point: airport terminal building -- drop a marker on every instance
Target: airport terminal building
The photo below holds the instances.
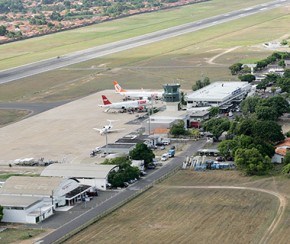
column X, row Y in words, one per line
column 219, row 94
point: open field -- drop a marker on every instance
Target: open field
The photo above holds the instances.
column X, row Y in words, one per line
column 207, row 207
column 8, row 116
column 19, row 235
column 19, row 53
column 184, row 59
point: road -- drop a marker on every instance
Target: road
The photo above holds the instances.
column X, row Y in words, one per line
column 121, row 196
column 103, row 50
column 35, row 108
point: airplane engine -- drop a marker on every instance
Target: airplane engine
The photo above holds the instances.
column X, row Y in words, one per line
column 141, row 107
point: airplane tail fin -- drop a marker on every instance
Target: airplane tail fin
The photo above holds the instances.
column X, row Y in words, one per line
column 118, row 88
column 105, row 100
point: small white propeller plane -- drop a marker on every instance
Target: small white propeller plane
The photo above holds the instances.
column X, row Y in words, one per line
column 107, row 128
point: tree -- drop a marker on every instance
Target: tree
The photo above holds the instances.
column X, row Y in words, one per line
column 213, row 111
column 278, row 104
column 3, row 30
column 286, row 158
column 268, row 131
column 227, row 147
column 125, row 173
column 247, row 77
column 266, row 113
column 248, row 106
column 251, row 162
column 216, row 126
column 178, row 129
column 235, row 68
column 142, row 152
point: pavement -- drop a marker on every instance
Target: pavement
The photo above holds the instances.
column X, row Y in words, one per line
column 64, row 133
column 86, row 212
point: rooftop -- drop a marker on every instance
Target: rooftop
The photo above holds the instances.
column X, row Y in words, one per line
column 78, row 170
column 218, row 91
column 31, row 185
column 17, row 201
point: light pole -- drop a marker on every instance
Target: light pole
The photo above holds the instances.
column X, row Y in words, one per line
column 106, row 134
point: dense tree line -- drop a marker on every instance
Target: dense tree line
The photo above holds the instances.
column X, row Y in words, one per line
column 7, row 6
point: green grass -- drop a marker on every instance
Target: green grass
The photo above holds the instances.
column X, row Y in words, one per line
column 5, row 176
column 13, row 235
column 8, row 116
column 35, row 49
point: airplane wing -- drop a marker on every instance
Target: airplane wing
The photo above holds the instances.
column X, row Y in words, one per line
column 97, row 129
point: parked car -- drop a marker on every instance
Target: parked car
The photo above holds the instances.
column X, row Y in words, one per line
column 219, row 159
column 164, row 157
column 151, row 166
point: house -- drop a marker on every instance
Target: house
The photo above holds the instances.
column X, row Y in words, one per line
column 281, row 150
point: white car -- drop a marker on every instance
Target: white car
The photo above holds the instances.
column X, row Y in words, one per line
column 164, row 157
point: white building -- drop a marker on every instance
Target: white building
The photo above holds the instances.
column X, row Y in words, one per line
column 218, row 94
column 32, row 199
column 21, row 209
column 95, row 175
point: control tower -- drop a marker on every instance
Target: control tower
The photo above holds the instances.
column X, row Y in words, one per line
column 171, row 96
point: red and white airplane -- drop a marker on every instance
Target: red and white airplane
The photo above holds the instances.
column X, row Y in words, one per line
column 137, row 94
column 126, row 105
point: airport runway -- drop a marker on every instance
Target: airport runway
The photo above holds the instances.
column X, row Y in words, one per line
column 103, row 50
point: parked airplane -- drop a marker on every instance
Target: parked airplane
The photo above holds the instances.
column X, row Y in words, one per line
column 126, row 105
column 138, row 94
column 107, row 128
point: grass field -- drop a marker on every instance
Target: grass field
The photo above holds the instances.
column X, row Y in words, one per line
column 16, row 235
column 177, row 211
column 184, row 59
column 31, row 50
column 8, row 116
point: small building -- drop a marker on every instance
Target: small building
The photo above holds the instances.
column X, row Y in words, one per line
column 196, row 117
column 94, row 175
column 165, row 119
column 112, row 148
column 25, row 209
column 54, row 190
column 33, row 199
column 281, row 150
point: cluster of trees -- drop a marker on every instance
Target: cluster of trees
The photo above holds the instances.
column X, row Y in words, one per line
column 244, row 72
column 265, row 108
column 278, row 57
column 178, row 130
column 10, row 34
column 7, row 6
column 125, row 173
column 201, row 83
column 276, row 80
column 251, row 138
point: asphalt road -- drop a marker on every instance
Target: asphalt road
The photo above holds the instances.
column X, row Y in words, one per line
column 121, row 196
column 35, row 108
column 103, row 50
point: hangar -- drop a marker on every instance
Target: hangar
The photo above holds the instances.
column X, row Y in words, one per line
column 219, row 94
column 32, row 199
column 94, row 175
